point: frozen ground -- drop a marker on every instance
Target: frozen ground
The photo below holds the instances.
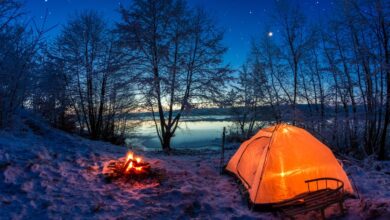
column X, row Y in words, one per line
column 46, row 173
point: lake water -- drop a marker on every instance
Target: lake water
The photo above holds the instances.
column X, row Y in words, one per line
column 193, row 132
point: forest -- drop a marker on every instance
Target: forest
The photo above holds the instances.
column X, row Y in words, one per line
column 331, row 78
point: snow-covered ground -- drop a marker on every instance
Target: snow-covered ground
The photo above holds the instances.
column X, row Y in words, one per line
column 46, row 173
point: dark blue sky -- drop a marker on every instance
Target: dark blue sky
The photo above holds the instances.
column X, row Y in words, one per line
column 242, row 19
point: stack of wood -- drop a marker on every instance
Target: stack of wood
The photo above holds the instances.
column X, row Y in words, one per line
column 130, row 168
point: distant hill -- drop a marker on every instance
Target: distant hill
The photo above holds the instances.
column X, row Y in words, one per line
column 265, row 112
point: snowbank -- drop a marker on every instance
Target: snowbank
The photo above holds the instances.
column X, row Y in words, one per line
column 46, row 173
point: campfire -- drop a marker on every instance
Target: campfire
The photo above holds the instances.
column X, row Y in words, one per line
column 130, row 167
column 134, row 165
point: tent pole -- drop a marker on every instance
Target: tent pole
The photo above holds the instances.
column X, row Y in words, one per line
column 222, row 151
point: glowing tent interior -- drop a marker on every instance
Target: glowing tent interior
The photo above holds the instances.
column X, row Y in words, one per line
column 275, row 163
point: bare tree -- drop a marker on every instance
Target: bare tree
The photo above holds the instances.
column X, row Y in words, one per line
column 179, row 52
column 10, row 10
column 247, row 97
column 94, row 70
column 49, row 94
column 295, row 37
column 19, row 44
column 267, row 53
column 377, row 16
column 343, row 66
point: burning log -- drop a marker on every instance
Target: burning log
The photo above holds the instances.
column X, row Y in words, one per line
column 130, row 168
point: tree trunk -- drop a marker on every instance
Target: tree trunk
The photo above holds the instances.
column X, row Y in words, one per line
column 350, row 89
column 166, row 142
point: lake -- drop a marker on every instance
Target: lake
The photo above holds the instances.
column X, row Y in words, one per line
column 194, row 132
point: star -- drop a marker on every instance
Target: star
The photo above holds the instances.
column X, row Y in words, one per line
column 270, row 34
column 250, row 12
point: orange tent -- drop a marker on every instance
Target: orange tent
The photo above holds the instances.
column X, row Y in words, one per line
column 275, row 163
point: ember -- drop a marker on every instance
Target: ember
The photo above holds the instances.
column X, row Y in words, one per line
column 130, row 167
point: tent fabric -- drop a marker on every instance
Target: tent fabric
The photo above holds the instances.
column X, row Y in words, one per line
column 275, row 163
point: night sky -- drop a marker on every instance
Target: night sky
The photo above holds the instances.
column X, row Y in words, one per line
column 241, row 19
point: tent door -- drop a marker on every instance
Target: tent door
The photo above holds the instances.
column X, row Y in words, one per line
column 251, row 158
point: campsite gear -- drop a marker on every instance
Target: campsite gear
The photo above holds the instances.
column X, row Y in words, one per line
column 314, row 199
column 274, row 164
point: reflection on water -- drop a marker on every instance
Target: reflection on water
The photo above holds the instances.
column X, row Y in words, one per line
column 194, row 132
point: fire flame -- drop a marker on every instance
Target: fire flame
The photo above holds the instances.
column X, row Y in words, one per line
column 133, row 162
column 129, row 167
column 130, row 156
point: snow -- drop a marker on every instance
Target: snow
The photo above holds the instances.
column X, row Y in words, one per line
column 46, row 173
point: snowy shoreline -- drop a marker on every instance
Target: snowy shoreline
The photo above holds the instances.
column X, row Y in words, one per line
column 49, row 174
